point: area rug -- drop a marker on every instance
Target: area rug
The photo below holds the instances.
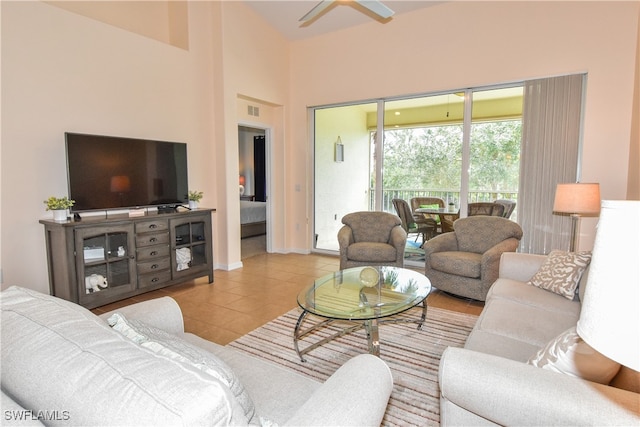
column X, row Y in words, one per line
column 413, row 356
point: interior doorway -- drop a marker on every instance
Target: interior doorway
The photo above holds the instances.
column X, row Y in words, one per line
column 253, row 155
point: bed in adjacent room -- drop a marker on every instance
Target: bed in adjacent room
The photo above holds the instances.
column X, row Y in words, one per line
column 253, row 218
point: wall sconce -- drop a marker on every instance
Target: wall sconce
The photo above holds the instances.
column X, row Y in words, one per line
column 339, row 153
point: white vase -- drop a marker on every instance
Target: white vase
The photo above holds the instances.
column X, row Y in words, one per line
column 59, row 214
column 193, row 204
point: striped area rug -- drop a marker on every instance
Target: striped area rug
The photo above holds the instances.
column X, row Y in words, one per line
column 413, row 356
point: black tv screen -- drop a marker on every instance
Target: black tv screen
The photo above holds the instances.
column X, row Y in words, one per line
column 106, row 172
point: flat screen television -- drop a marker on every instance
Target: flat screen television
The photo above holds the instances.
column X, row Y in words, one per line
column 107, row 172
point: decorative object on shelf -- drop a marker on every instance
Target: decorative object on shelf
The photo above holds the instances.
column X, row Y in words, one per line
column 577, row 199
column 59, row 206
column 339, row 154
column 242, row 181
column 194, row 197
column 609, row 315
column 95, row 283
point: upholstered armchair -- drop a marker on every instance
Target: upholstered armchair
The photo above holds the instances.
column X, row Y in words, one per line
column 371, row 238
column 466, row 262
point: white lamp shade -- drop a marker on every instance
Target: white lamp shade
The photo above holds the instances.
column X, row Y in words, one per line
column 577, row 198
column 610, row 316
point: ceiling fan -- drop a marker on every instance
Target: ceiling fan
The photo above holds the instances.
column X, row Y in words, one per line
column 374, row 6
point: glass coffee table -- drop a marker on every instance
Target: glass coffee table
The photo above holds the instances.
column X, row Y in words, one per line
column 367, row 296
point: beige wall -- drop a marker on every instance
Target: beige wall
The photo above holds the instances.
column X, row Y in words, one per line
column 460, row 44
column 64, row 72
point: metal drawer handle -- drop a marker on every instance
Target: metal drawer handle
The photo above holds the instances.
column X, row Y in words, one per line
column 155, row 279
column 154, row 266
column 153, row 240
column 153, row 226
column 153, row 253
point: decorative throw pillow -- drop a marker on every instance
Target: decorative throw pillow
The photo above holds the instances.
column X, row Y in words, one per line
column 561, row 272
column 569, row 354
column 172, row 347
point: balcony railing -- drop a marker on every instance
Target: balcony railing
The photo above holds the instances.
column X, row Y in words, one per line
column 447, row 195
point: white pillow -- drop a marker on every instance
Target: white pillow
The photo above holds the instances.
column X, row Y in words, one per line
column 561, row 272
column 569, row 354
column 174, row 348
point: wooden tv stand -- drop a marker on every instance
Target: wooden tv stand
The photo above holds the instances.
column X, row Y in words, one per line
column 134, row 254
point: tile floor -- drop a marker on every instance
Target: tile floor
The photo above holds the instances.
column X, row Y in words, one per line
column 264, row 288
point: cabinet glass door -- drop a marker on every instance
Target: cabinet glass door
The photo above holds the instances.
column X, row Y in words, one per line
column 191, row 251
column 106, row 264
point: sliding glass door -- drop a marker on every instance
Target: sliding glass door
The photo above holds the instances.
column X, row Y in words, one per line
column 343, row 156
column 460, row 146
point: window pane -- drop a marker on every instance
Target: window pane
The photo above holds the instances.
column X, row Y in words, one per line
column 494, row 156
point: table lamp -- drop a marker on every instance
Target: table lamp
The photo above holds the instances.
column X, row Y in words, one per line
column 577, row 199
column 610, row 316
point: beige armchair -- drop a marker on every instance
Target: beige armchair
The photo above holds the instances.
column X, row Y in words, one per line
column 466, row 262
column 371, row 238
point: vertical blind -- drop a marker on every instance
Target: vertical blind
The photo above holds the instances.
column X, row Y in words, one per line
column 551, row 124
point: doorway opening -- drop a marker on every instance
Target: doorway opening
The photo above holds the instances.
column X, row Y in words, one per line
column 253, row 189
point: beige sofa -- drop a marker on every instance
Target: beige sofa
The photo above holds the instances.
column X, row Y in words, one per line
column 63, row 365
column 488, row 382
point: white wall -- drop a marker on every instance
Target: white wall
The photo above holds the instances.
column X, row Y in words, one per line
column 464, row 44
column 65, row 72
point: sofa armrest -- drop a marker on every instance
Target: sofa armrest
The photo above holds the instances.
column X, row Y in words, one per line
column 355, row 395
column 507, row 392
column 520, row 266
column 163, row 313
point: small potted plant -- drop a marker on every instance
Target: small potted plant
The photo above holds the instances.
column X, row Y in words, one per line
column 194, row 197
column 59, row 206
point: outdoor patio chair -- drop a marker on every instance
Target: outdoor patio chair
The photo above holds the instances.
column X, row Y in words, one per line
column 485, row 208
column 509, row 207
column 426, row 228
column 445, row 222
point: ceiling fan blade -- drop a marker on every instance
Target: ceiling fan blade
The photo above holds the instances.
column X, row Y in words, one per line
column 318, row 9
column 376, row 7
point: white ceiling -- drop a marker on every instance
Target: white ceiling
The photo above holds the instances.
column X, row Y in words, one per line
column 285, row 15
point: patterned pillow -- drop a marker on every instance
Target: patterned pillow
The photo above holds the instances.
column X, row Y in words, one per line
column 561, row 272
column 569, row 354
column 172, row 347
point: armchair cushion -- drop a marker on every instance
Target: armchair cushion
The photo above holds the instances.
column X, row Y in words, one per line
column 365, row 251
column 465, row 264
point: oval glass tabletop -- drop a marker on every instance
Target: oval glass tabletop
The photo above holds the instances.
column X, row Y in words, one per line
column 363, row 293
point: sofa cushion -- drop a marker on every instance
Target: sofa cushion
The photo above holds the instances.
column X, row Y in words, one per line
column 530, row 295
column 561, row 272
column 569, row 354
column 175, row 348
column 366, row 251
column 56, row 354
column 514, row 329
column 465, row 264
